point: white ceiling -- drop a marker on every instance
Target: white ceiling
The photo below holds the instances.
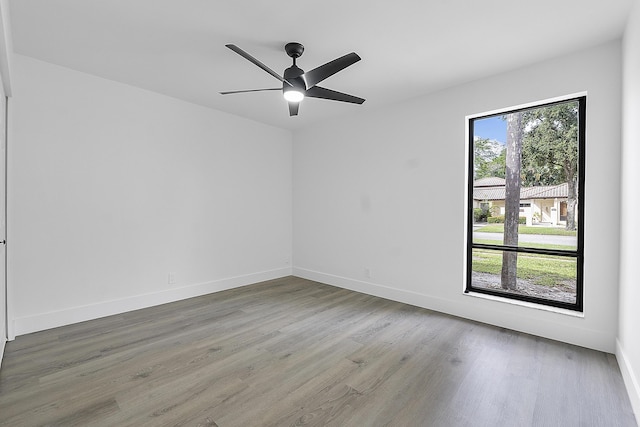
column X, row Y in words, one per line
column 408, row 47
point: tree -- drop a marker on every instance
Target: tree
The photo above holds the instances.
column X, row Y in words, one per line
column 512, row 199
column 550, row 151
column 489, row 158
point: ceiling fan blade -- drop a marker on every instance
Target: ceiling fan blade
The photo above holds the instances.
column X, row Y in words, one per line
column 248, row 90
column 293, row 108
column 250, row 58
column 324, row 93
column 320, row 73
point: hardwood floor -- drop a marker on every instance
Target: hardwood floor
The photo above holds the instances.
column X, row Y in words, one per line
column 294, row 352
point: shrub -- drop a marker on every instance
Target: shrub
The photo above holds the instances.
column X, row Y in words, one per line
column 500, row 220
column 496, row 219
column 481, row 215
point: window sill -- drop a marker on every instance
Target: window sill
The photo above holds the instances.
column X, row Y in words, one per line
column 532, row 305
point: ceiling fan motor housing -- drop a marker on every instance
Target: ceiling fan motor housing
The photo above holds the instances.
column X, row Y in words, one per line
column 293, row 75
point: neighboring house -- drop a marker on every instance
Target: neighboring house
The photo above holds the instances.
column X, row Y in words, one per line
column 541, row 204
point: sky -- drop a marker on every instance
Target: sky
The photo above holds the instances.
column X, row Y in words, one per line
column 491, row 128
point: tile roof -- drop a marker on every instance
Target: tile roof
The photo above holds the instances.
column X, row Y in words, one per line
column 545, row 191
column 540, row 192
column 491, row 181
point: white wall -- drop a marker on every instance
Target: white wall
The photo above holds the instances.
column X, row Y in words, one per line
column 3, row 305
column 382, row 195
column 628, row 350
column 112, row 187
column 5, row 90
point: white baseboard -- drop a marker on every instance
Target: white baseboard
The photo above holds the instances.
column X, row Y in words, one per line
column 374, row 289
column 631, row 380
column 54, row 319
column 528, row 321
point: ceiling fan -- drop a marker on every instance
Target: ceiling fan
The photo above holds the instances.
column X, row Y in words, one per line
column 296, row 84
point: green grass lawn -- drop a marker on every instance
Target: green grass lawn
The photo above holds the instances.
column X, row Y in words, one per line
column 524, row 229
column 546, row 270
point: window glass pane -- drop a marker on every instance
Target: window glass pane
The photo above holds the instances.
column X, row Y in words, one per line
column 525, row 167
column 548, row 277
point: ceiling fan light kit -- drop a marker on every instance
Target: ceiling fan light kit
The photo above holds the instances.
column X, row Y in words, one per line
column 296, row 84
column 293, row 95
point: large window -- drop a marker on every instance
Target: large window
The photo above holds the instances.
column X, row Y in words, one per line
column 526, row 203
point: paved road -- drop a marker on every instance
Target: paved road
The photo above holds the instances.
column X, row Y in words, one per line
column 530, row 238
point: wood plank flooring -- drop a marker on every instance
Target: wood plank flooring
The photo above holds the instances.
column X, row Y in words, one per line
column 291, row 352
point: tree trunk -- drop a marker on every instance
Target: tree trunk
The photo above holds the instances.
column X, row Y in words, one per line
column 572, row 201
column 512, row 199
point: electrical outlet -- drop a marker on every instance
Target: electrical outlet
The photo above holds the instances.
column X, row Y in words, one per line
column 367, row 273
column 171, row 278
column 287, row 260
